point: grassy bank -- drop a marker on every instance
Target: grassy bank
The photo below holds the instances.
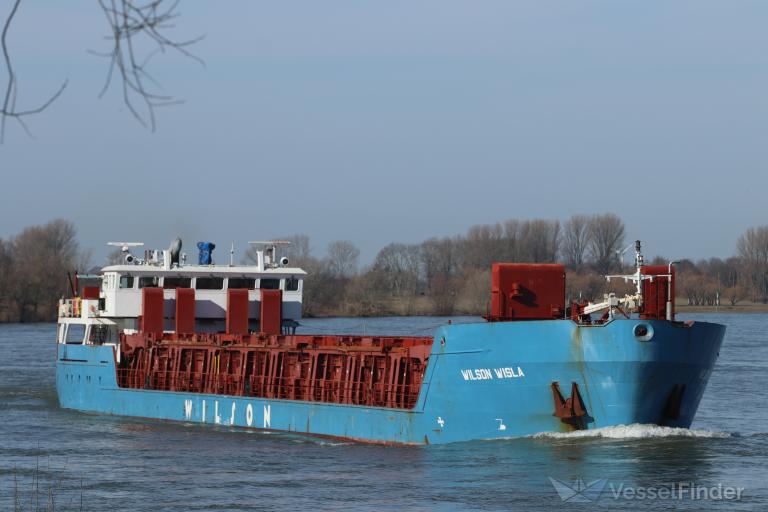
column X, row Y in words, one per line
column 738, row 308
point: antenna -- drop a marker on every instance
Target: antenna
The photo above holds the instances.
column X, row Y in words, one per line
column 638, row 255
column 232, row 255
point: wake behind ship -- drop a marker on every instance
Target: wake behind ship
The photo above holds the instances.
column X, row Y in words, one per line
column 216, row 344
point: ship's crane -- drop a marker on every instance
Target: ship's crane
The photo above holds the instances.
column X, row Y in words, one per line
column 635, row 301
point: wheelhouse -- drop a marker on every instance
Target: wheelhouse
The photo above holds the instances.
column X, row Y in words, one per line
column 117, row 301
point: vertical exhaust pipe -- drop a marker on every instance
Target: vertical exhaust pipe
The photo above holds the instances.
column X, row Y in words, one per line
column 670, row 298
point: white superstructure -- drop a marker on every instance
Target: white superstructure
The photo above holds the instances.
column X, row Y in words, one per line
column 120, row 297
column 121, row 287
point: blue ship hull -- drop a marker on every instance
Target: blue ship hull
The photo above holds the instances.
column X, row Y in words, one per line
column 482, row 381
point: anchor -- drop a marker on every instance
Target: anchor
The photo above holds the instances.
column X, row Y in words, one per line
column 671, row 411
column 571, row 411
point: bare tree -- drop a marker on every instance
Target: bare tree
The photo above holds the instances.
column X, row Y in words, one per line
column 585, row 285
column 575, row 240
column 752, row 247
column 697, row 287
column 138, row 31
column 606, row 238
column 9, row 109
column 483, row 245
column 439, row 260
column 735, row 294
column 512, row 249
column 539, row 240
column 298, row 249
column 41, row 257
column 475, row 291
column 725, row 275
column 530, row 240
column 396, row 268
column 135, row 26
column 322, row 292
column 363, row 297
column 342, row 258
column 5, row 275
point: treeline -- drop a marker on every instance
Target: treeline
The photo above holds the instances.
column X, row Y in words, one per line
column 743, row 277
column 440, row 276
column 33, row 270
column 444, row 276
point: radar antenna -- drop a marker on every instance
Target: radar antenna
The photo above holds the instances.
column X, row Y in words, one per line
column 125, row 246
column 265, row 254
column 270, row 242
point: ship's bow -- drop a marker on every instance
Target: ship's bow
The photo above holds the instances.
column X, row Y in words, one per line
column 504, row 379
column 659, row 374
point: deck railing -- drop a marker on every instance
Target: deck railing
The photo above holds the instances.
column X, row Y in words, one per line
column 376, row 394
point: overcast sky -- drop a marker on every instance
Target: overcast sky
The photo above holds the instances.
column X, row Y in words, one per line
column 400, row 120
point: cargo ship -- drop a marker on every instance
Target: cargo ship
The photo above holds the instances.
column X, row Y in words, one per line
column 216, row 344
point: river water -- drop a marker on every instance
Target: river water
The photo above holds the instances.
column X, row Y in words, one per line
column 91, row 462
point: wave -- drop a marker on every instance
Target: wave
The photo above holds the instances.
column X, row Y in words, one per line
column 634, row 431
column 320, row 442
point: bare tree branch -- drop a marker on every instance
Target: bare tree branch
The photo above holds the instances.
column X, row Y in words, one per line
column 134, row 25
column 11, row 90
column 138, row 32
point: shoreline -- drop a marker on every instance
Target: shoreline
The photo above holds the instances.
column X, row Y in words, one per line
column 738, row 308
column 679, row 309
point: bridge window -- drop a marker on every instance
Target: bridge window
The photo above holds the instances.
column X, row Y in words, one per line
column 269, row 284
column 241, row 283
column 75, row 334
column 126, row 281
column 209, row 283
column 99, row 334
column 177, row 282
column 148, row 282
column 291, row 284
